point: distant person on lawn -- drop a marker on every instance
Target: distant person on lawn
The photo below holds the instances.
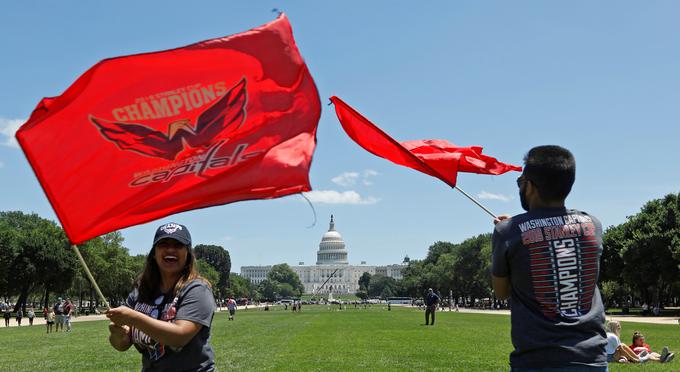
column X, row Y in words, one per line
column 68, row 312
column 546, row 262
column 8, row 315
column 30, row 314
column 431, row 301
column 231, row 306
column 639, row 345
column 619, row 352
column 50, row 320
column 59, row 313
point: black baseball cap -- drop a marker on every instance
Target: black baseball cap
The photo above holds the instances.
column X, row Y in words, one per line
column 173, row 231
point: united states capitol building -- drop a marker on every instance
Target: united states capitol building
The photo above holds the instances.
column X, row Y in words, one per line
column 332, row 272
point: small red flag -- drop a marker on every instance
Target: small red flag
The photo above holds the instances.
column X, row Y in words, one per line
column 438, row 158
column 139, row 137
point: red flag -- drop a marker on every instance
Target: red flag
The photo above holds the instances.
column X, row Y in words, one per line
column 139, row 137
column 438, row 158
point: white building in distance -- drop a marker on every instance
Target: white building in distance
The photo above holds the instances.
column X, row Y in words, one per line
column 332, row 272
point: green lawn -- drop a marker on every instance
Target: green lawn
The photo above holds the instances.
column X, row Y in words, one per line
column 316, row 339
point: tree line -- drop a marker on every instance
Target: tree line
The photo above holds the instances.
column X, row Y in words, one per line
column 640, row 262
column 37, row 264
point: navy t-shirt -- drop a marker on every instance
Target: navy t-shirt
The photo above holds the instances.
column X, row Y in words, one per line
column 552, row 258
column 195, row 303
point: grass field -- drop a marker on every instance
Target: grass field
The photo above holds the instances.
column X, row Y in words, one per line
column 316, row 339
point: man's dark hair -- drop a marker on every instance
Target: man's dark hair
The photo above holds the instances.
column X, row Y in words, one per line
column 552, row 169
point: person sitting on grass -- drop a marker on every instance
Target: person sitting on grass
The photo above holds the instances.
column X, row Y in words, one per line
column 618, row 351
column 639, row 345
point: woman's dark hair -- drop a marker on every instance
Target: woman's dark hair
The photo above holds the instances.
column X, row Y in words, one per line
column 552, row 169
column 149, row 281
column 637, row 335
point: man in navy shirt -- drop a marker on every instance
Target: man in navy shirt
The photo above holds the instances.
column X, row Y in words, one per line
column 546, row 261
column 431, row 301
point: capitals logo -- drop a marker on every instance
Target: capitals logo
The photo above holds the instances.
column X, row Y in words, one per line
column 192, row 148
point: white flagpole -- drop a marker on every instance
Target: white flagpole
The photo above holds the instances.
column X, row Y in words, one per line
column 89, row 275
column 476, row 202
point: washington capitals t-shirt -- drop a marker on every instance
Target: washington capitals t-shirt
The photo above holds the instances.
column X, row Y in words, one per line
column 552, row 257
column 195, row 303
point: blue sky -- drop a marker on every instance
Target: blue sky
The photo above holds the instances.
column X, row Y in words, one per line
column 600, row 78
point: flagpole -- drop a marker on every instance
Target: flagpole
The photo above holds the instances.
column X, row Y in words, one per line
column 475, row 201
column 89, row 275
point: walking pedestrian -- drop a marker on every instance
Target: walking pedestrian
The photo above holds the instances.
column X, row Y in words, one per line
column 68, row 311
column 431, row 301
column 59, row 313
column 231, row 306
column 50, row 320
column 7, row 315
column 20, row 315
column 31, row 315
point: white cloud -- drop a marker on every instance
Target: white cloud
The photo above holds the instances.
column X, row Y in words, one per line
column 349, row 179
column 491, row 196
column 346, row 179
column 8, row 127
column 226, row 238
column 367, row 174
column 337, row 197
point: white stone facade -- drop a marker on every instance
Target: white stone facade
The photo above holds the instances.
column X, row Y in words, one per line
column 332, row 272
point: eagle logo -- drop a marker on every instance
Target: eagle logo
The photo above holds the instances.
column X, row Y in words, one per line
column 224, row 117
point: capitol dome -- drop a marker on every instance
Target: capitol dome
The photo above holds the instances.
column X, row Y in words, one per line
column 332, row 248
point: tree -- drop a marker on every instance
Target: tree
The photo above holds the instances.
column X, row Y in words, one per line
column 364, row 281
column 281, row 281
column 471, row 273
column 645, row 250
column 208, row 272
column 111, row 266
column 268, row 289
column 239, row 287
column 282, row 273
column 40, row 255
column 382, row 286
column 362, row 294
column 219, row 259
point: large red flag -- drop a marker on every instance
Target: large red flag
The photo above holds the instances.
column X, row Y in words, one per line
column 139, row 137
column 438, row 158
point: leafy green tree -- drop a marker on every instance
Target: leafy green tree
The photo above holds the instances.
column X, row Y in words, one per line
column 652, row 256
column 471, row 272
column 282, row 273
column 611, row 261
column 208, row 272
column 40, row 256
column 437, row 249
column 239, row 287
column 286, row 290
column 111, row 266
column 364, row 281
column 268, row 289
column 362, row 294
column 382, row 285
column 413, row 281
column 219, row 259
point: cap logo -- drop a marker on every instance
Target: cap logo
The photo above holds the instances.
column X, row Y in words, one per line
column 170, row 228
